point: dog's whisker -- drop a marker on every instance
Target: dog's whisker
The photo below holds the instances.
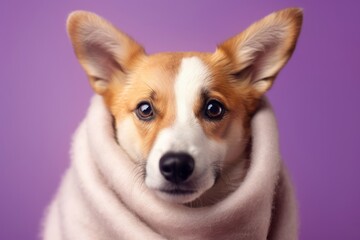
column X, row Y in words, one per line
column 139, row 175
column 140, row 172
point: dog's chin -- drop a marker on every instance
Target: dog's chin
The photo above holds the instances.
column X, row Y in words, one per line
column 181, row 193
column 178, row 195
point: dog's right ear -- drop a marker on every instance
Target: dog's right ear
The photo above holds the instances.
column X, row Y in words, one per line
column 103, row 51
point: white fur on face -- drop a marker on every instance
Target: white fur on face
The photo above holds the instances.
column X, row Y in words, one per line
column 186, row 135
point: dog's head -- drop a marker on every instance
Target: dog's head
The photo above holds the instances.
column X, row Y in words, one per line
column 183, row 116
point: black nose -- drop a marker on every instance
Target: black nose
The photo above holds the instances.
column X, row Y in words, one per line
column 176, row 167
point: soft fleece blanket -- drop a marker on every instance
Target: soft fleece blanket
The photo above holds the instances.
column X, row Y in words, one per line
column 102, row 197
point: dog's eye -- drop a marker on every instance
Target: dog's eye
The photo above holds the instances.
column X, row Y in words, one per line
column 214, row 110
column 144, row 111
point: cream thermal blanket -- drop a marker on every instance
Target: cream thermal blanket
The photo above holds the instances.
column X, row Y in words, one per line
column 103, row 197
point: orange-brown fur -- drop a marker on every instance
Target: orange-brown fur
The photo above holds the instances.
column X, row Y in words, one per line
column 154, row 83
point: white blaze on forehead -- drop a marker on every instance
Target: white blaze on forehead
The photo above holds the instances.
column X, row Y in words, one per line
column 192, row 78
column 186, row 133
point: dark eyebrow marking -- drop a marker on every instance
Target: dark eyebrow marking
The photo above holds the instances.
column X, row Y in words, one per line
column 204, row 95
column 153, row 95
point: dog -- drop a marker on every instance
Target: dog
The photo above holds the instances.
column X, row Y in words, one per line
column 184, row 118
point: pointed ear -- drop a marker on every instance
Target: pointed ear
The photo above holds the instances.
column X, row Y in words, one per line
column 258, row 54
column 103, row 51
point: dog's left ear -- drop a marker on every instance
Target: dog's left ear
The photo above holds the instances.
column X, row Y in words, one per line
column 257, row 55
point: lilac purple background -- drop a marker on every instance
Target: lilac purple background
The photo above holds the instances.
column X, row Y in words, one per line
column 44, row 94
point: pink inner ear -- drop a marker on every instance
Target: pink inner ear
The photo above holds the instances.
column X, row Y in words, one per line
column 261, row 44
column 100, row 60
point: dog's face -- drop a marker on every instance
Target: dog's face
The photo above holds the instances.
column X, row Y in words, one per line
column 174, row 115
column 184, row 117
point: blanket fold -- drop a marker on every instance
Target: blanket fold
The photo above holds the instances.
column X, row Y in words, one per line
column 103, row 197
